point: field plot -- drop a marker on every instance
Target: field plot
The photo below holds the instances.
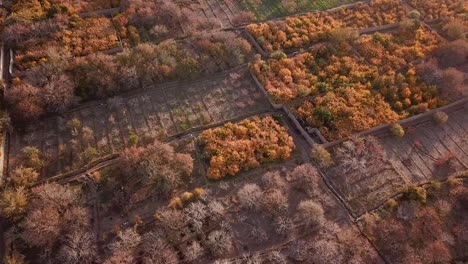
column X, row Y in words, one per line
column 221, row 10
column 345, row 88
column 298, row 32
column 74, row 37
column 430, row 152
column 363, row 175
column 81, row 135
column 370, row 170
column 156, row 21
column 271, row 223
column 276, row 8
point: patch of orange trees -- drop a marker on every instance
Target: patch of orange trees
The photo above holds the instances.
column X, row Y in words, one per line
column 75, row 35
column 356, row 92
column 236, row 147
column 297, row 32
column 392, row 51
column 434, row 9
column 345, row 111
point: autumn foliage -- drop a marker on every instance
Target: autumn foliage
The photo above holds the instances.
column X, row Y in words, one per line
column 297, row 32
column 248, row 144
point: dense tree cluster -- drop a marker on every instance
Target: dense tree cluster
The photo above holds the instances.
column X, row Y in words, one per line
column 381, row 82
column 144, row 20
column 35, row 26
column 157, row 165
column 236, row 147
column 56, row 224
column 311, row 73
column 345, row 111
column 393, row 51
column 75, row 35
column 434, row 9
column 415, row 232
column 297, row 32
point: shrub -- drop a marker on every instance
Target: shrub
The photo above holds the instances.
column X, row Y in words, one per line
column 278, row 55
column 305, row 177
column 193, row 251
column 31, row 157
column 416, row 193
column 14, row 203
column 397, row 130
column 440, row 118
column 455, row 30
column 275, row 202
column 249, row 196
column 23, row 177
column 339, row 35
column 391, row 204
column 311, row 213
column 273, row 180
column 322, row 156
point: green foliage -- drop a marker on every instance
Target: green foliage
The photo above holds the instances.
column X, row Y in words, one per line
column 278, row 55
column 32, row 158
column 89, row 154
column 416, row 193
column 397, row 130
column 14, row 203
column 133, row 139
column 322, row 156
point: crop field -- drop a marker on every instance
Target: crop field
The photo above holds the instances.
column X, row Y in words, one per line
column 275, row 8
column 164, row 111
column 254, row 229
column 222, row 11
column 427, row 152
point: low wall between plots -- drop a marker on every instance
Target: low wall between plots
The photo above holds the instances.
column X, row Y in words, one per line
column 103, row 12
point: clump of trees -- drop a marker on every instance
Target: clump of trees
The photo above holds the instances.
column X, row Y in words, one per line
column 345, row 111
column 444, row 9
column 299, row 32
column 413, row 231
column 247, row 144
column 52, row 220
column 156, row 164
column 157, row 20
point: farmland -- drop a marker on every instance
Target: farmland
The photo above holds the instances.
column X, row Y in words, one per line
column 164, row 111
column 275, row 8
column 221, row 131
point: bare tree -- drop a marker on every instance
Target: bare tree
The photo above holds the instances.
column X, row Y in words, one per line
column 311, row 213
column 78, row 247
column 249, row 196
